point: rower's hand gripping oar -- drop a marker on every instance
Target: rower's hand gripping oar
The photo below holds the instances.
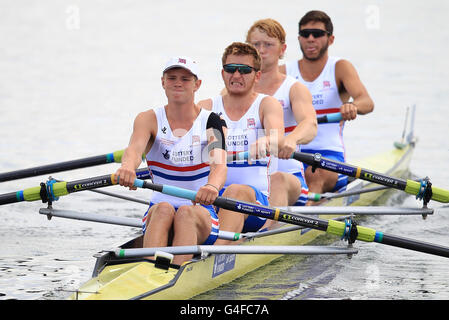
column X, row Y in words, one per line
column 422, row 190
column 52, row 190
column 348, row 230
column 327, row 118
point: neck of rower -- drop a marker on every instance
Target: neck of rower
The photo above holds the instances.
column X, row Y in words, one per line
column 236, row 105
column 271, row 79
column 181, row 117
column 311, row 69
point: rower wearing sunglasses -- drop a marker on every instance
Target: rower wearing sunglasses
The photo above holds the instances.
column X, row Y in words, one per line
column 287, row 184
column 332, row 82
column 255, row 124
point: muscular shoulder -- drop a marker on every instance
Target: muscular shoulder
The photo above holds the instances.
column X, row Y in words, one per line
column 205, row 104
column 270, row 106
column 148, row 115
column 299, row 90
column 344, row 68
column 269, row 101
column 146, row 119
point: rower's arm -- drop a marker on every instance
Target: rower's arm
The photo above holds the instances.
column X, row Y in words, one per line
column 305, row 116
column 347, row 75
column 272, row 118
column 216, row 149
column 140, row 143
column 304, row 112
column 216, row 128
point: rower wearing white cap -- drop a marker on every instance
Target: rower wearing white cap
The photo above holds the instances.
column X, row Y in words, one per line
column 184, row 147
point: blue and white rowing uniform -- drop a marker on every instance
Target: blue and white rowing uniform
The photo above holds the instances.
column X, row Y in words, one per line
column 181, row 162
column 240, row 135
column 326, row 99
column 291, row 166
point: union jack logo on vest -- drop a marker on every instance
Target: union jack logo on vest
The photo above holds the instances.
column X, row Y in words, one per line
column 326, row 84
column 251, row 123
column 181, row 60
column 196, row 140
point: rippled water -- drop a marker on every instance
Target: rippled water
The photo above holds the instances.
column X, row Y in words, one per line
column 375, row 272
column 74, row 74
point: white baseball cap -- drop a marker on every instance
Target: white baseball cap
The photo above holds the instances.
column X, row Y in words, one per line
column 182, row 62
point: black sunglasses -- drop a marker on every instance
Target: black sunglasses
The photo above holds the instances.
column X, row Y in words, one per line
column 242, row 68
column 316, row 33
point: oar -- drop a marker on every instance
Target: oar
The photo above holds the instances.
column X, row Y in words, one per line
column 421, row 189
column 63, row 166
column 327, row 118
column 345, row 229
column 331, row 195
column 331, row 117
column 52, row 189
column 135, row 222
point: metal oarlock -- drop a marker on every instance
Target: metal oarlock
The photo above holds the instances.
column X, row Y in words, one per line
column 425, row 193
column 351, row 237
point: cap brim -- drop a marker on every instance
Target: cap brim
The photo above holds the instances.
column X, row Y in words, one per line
column 178, row 66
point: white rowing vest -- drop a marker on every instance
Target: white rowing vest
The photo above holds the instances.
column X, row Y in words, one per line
column 179, row 161
column 326, row 99
column 240, row 135
column 283, row 96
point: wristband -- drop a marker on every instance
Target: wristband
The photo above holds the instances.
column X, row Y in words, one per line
column 208, row 184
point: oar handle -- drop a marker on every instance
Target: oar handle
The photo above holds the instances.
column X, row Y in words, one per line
column 239, row 206
column 169, row 190
column 238, row 156
column 330, row 118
